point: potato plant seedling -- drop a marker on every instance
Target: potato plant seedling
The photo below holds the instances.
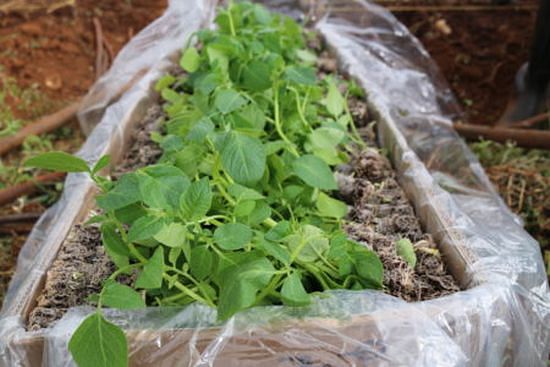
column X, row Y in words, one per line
column 239, row 211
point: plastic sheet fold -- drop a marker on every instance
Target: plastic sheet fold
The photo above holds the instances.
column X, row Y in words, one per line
column 502, row 317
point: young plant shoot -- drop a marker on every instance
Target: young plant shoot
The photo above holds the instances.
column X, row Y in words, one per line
column 240, row 209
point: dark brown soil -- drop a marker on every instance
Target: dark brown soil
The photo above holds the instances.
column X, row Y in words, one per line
column 481, row 54
column 381, row 216
column 78, row 272
column 82, row 265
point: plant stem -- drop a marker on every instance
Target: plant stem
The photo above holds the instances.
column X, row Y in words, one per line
column 213, row 217
column 270, row 288
column 194, row 281
column 113, row 277
column 278, row 126
column 299, row 108
column 187, row 291
column 315, row 273
column 134, row 251
column 231, row 24
column 355, row 134
column 220, row 183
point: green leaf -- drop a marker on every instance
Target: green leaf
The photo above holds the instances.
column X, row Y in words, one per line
column 405, row 250
column 151, row 275
column 330, row 207
column 58, row 161
column 190, row 60
column 261, row 212
column 326, row 138
column 280, row 231
column 293, row 292
column 172, row 235
column 174, row 254
column 196, row 201
column 217, row 58
column 257, row 76
column 189, row 158
column 125, row 192
column 199, row 132
column 101, row 163
column 119, row 260
column 233, row 259
column 241, row 193
column 206, row 83
column 314, row 172
column 98, row 218
column 171, row 95
column 164, row 82
column 145, row 228
column 244, row 208
column 262, row 15
column 112, row 239
column 300, row 75
column 228, row 100
column 276, row 251
column 129, row 214
column 201, row 262
column 339, row 244
column 335, row 102
column 306, row 56
column 243, row 157
column 99, row 343
column 274, row 146
column 240, row 285
column 161, row 186
column 232, row 236
column 309, row 244
column 345, row 266
column 368, row 266
column 250, row 117
column 116, row 295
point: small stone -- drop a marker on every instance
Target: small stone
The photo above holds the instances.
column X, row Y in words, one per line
column 442, row 26
column 53, row 82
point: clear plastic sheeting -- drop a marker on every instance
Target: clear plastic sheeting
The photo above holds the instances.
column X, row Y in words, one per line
column 158, row 42
column 347, row 329
column 500, row 320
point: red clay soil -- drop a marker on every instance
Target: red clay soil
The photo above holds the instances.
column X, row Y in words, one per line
column 57, row 50
column 481, row 54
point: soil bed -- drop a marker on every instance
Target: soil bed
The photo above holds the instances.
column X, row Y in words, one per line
column 381, row 214
column 82, row 265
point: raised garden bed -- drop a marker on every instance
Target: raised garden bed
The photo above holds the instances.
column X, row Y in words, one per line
column 372, row 220
column 381, row 215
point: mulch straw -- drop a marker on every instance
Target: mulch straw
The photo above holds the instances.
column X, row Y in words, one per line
column 522, row 178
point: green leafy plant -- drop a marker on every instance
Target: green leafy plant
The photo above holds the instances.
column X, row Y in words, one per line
column 239, row 211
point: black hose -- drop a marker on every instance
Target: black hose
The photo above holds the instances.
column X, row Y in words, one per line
column 538, row 74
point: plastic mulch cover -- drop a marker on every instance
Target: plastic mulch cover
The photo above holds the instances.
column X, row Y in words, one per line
column 501, row 319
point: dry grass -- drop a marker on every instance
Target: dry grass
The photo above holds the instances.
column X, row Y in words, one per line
column 522, row 177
